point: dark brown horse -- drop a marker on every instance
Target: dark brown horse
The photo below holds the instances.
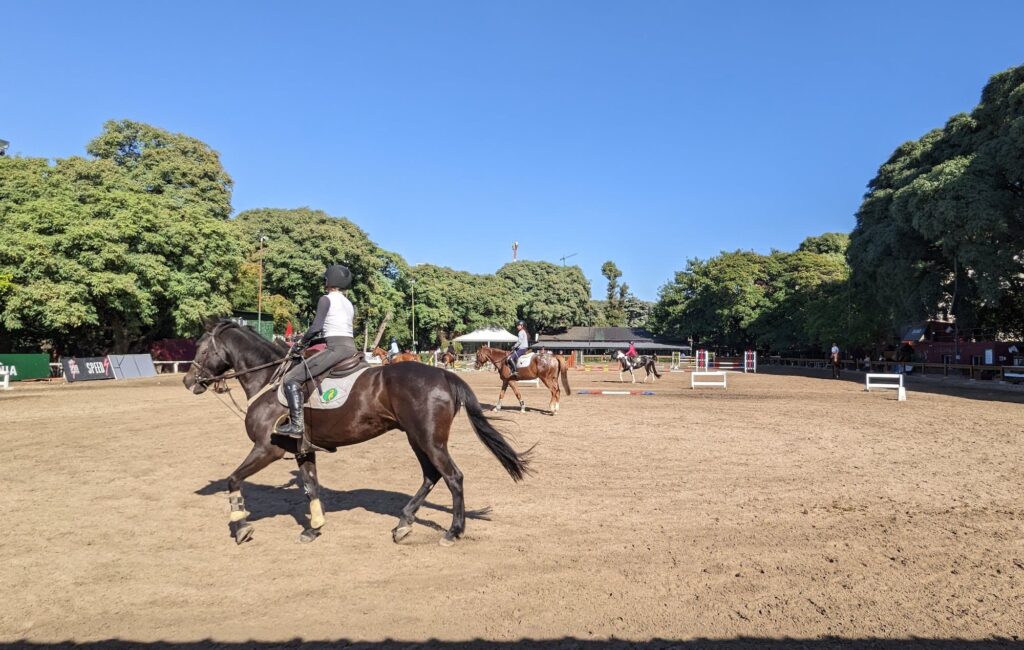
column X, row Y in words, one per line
column 544, row 366
column 382, row 354
column 411, row 397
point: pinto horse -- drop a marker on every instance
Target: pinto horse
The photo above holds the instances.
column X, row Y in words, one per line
column 411, row 397
column 544, row 366
column 625, row 363
column 382, row 354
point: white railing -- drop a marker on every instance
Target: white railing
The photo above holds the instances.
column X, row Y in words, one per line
column 173, row 364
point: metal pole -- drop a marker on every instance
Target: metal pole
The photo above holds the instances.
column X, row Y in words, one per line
column 414, row 315
column 259, row 291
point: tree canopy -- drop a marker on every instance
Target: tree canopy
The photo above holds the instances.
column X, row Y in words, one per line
column 941, row 229
column 101, row 254
column 782, row 301
column 548, row 296
column 301, row 243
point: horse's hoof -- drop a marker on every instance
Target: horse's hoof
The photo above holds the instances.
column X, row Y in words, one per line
column 447, row 541
column 400, row 533
column 309, row 535
column 243, row 534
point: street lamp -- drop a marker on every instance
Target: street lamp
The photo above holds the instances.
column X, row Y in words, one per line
column 412, row 284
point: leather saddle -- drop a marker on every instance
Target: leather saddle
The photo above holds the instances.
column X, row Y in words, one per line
column 346, row 367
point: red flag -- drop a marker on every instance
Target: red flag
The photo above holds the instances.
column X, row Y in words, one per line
column 288, row 330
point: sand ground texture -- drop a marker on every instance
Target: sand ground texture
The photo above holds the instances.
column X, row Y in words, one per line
column 785, row 506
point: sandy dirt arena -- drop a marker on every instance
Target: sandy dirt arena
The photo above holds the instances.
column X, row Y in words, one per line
column 783, row 507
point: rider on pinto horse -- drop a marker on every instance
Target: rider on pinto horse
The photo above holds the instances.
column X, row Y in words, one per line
column 333, row 323
column 522, row 344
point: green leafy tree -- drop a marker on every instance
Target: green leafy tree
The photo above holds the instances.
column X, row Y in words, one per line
column 940, row 230
column 615, row 314
column 637, row 312
column 100, row 260
column 301, row 243
column 548, row 297
column 716, row 301
column 450, row 303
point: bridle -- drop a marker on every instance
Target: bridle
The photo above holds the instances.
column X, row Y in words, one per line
column 478, row 364
column 204, row 377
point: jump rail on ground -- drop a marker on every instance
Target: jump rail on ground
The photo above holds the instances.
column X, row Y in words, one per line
column 704, row 375
column 901, row 392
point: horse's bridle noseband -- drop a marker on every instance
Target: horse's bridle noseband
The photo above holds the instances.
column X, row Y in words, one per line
column 205, row 378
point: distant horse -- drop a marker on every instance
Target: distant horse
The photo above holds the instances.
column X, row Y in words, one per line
column 382, row 354
column 647, row 363
column 448, row 360
column 836, row 365
column 544, row 366
column 411, row 397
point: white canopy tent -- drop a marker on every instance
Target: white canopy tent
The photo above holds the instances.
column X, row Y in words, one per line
column 487, row 337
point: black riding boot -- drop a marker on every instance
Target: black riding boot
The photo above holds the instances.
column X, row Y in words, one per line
column 512, row 366
column 296, row 423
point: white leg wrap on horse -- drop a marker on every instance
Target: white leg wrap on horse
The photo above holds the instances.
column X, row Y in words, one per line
column 237, row 515
column 316, row 514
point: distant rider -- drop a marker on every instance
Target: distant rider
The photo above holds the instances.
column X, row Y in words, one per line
column 333, row 323
column 631, row 352
column 521, row 346
column 393, row 349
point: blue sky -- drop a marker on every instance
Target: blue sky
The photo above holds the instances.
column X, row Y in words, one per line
column 645, row 133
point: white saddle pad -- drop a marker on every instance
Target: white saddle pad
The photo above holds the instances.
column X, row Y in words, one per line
column 524, row 361
column 333, row 392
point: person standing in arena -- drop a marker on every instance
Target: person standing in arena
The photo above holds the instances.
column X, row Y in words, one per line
column 333, row 324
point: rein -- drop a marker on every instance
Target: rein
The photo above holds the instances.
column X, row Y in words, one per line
column 220, row 382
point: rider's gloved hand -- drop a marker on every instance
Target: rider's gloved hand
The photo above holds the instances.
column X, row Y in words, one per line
column 297, row 349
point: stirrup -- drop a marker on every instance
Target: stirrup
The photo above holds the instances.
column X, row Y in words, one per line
column 290, row 431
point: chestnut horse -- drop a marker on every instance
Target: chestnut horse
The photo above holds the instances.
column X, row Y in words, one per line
column 544, row 366
column 448, row 360
column 382, row 354
column 410, row 397
column 836, row 365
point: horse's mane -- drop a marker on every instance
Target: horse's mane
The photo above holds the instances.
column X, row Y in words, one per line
column 253, row 338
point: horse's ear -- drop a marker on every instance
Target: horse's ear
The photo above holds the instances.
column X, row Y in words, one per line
column 209, row 322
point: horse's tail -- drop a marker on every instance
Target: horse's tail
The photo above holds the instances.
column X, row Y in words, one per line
column 563, row 370
column 515, row 463
column 654, row 368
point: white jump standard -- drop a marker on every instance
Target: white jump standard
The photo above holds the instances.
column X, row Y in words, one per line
column 871, row 380
column 703, row 375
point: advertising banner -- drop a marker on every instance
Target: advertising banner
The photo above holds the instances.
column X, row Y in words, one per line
column 131, row 366
column 86, row 368
column 25, row 366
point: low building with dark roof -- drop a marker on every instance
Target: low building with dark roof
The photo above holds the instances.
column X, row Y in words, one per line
column 601, row 340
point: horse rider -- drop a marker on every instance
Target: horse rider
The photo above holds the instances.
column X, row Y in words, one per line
column 631, row 352
column 333, row 323
column 451, row 349
column 522, row 344
column 393, row 349
column 834, row 351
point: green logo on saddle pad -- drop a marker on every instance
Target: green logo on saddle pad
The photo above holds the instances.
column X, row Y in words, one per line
column 330, row 394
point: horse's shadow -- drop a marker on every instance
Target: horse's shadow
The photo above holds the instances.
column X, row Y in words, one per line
column 512, row 408
column 267, row 501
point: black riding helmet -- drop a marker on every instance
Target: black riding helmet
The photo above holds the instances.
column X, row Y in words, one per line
column 338, row 277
